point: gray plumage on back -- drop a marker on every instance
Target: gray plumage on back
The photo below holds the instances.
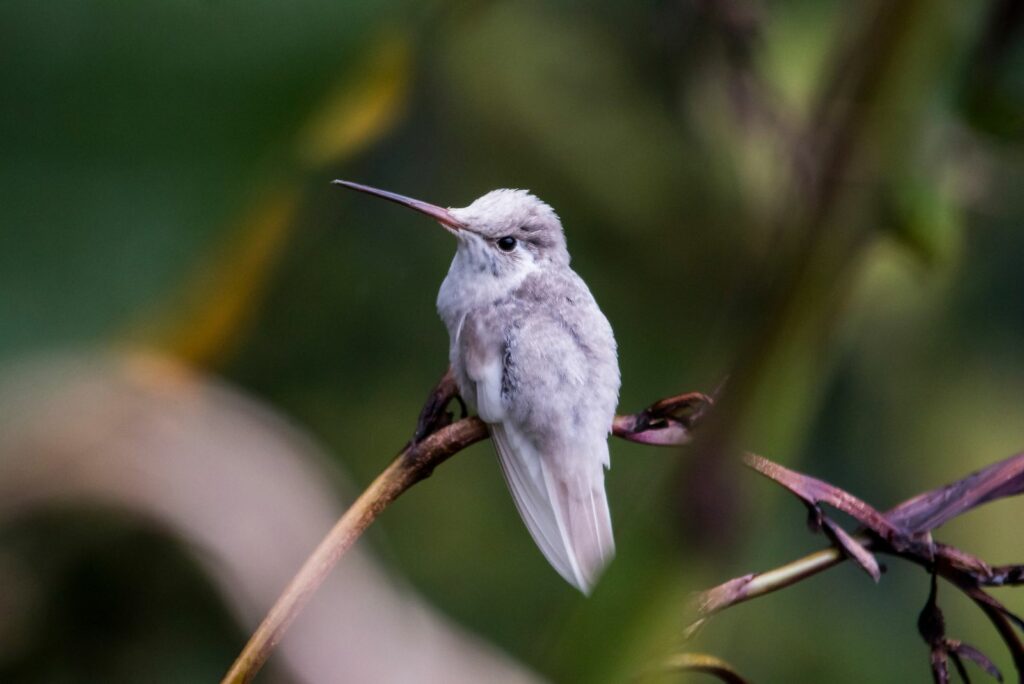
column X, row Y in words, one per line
column 534, row 355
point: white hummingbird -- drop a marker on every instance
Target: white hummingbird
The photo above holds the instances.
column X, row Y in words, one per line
column 533, row 354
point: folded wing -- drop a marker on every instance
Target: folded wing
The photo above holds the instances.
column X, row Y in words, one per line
column 565, row 509
column 545, row 379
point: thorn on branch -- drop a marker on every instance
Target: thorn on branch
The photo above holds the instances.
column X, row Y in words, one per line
column 853, row 549
column 814, row 492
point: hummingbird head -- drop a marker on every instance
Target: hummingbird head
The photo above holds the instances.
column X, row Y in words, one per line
column 510, row 228
column 503, row 233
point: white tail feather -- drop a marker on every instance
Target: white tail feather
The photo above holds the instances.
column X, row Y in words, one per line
column 566, row 513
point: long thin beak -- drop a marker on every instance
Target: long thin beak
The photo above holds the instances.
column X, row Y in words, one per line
column 437, row 213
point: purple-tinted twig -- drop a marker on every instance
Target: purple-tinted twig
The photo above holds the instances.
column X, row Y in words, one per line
column 905, row 532
column 931, row 624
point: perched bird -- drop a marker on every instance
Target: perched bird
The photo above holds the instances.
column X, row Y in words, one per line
column 533, row 354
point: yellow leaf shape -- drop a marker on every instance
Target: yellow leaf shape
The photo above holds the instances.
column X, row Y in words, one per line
column 358, row 112
column 220, row 297
column 219, row 300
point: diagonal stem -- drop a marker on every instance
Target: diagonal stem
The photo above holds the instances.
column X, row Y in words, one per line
column 413, row 464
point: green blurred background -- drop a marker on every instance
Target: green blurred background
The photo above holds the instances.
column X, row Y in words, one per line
column 820, row 201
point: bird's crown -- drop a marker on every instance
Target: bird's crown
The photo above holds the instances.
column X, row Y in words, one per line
column 516, row 213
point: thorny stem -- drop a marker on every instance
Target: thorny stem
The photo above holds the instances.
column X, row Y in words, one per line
column 436, row 439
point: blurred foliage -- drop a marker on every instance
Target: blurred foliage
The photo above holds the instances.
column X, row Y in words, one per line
column 164, row 179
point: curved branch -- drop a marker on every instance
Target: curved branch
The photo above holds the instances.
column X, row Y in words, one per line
column 413, row 464
column 697, row 662
column 436, row 439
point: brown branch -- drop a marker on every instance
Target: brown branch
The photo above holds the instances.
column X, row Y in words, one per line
column 413, row 464
column 435, row 440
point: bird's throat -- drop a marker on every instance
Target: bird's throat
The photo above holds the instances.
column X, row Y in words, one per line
column 474, row 281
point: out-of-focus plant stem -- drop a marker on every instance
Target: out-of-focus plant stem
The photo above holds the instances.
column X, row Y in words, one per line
column 698, row 662
column 798, row 281
column 827, row 223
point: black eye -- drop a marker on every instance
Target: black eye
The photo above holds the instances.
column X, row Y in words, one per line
column 507, row 243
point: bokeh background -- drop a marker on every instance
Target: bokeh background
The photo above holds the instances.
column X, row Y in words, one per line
column 205, row 348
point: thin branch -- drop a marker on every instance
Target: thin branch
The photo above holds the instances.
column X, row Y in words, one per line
column 413, row 464
column 697, row 662
column 751, row 586
column 435, row 440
